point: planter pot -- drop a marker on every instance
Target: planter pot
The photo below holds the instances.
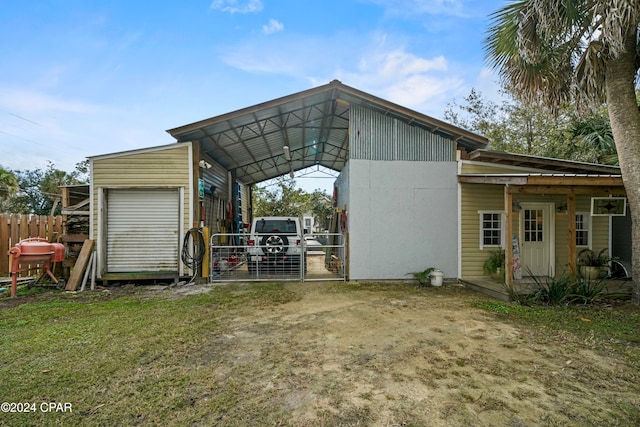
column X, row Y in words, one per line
column 590, row 272
column 436, row 278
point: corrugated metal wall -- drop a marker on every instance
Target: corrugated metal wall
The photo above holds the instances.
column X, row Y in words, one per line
column 373, row 136
column 217, row 176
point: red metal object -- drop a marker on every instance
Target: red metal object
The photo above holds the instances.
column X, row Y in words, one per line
column 34, row 251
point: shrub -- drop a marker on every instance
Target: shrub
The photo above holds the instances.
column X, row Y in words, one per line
column 561, row 290
column 553, row 291
column 586, row 291
column 494, row 263
column 423, row 276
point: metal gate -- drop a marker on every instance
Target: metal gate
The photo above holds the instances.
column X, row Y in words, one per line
column 323, row 259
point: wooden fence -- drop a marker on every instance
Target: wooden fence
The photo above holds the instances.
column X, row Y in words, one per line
column 15, row 227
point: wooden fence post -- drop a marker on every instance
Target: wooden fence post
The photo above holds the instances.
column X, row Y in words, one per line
column 4, row 244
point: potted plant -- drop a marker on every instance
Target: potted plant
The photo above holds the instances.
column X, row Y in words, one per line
column 494, row 265
column 593, row 264
column 430, row 274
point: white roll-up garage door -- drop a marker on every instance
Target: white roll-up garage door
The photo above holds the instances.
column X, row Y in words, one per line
column 142, row 230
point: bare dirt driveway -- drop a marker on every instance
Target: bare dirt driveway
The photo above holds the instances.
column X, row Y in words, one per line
column 345, row 354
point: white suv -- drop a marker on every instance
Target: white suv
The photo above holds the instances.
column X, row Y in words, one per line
column 275, row 243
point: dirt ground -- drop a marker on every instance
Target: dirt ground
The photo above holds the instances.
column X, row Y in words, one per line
column 392, row 358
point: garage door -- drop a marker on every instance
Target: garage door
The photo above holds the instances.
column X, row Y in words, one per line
column 142, row 230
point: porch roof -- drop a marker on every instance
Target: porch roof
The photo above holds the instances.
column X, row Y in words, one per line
column 545, row 163
column 544, row 183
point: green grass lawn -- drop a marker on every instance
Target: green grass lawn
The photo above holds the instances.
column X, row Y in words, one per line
column 120, row 361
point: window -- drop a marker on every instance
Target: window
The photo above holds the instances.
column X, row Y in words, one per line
column 583, row 225
column 490, row 229
column 533, row 225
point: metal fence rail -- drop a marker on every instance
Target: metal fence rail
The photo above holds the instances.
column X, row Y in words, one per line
column 233, row 260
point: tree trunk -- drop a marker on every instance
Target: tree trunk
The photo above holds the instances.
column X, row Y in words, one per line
column 625, row 125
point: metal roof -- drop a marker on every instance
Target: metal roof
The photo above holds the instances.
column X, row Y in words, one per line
column 543, row 179
column 537, row 162
column 313, row 124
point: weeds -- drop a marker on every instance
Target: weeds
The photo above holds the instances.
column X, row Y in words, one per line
column 561, row 290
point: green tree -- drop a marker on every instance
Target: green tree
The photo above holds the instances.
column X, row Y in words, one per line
column 321, row 208
column 482, row 116
column 554, row 51
column 8, row 186
column 281, row 198
column 527, row 129
column 594, row 132
column 39, row 190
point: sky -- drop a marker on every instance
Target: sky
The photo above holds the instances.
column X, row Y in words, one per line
column 81, row 78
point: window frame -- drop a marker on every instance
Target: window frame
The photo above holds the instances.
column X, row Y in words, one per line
column 482, row 228
column 587, row 220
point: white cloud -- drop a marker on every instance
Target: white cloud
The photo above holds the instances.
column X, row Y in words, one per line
column 273, row 26
column 398, row 63
column 236, row 6
column 405, row 78
column 382, row 68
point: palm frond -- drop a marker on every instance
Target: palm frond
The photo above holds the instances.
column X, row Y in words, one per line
column 620, row 16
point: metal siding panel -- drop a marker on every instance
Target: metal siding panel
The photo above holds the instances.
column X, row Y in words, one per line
column 142, row 230
column 374, row 136
column 217, row 176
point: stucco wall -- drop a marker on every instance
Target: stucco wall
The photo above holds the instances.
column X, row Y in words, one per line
column 402, row 218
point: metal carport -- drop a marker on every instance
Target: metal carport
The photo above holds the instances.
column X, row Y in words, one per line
column 313, row 124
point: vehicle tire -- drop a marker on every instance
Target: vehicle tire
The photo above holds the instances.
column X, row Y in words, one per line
column 274, row 244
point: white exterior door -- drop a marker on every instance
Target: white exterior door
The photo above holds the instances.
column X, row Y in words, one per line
column 536, row 239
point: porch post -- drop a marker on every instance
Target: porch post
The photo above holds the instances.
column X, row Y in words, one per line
column 508, row 250
column 571, row 235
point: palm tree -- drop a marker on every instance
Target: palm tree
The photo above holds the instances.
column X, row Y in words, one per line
column 595, row 133
column 587, row 51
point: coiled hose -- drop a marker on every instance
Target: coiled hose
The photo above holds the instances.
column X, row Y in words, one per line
column 193, row 251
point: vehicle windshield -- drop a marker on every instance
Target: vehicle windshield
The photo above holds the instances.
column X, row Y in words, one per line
column 272, row 225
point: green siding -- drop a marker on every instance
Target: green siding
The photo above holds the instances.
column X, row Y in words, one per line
column 486, row 197
column 163, row 167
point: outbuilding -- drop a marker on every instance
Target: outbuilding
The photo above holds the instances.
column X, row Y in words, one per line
column 400, row 197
